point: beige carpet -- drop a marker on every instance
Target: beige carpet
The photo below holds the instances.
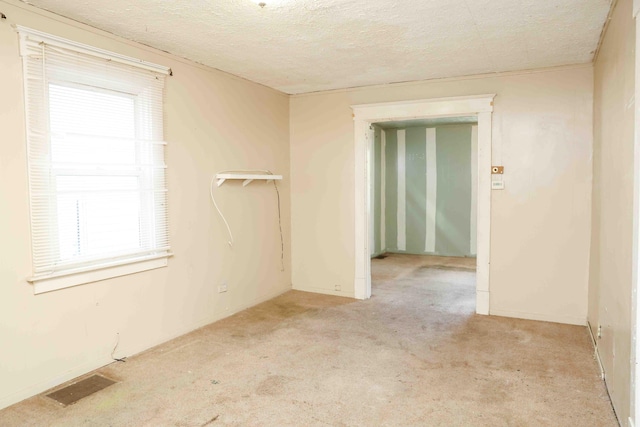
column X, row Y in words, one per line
column 412, row 355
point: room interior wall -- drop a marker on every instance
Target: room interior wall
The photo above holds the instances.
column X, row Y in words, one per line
column 213, row 121
column 612, row 228
column 541, row 133
column 437, row 217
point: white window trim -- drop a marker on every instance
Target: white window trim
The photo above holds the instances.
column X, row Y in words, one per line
column 93, row 51
column 95, row 273
column 108, row 268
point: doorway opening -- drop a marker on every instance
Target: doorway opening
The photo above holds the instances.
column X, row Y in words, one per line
column 423, row 198
column 479, row 107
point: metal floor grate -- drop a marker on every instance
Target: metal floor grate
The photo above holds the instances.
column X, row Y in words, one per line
column 76, row 391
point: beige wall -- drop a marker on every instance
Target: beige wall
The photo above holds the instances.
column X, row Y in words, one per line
column 542, row 134
column 540, row 223
column 612, row 231
column 213, row 121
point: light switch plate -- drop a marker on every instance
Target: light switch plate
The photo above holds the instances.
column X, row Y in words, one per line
column 497, row 185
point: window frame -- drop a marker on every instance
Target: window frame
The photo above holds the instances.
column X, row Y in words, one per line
column 123, row 262
column 79, row 171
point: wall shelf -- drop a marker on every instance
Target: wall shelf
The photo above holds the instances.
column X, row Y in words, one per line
column 246, row 177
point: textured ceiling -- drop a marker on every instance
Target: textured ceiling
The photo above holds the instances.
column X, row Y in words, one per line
column 299, row 46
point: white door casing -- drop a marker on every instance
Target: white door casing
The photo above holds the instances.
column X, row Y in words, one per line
column 366, row 114
column 634, row 413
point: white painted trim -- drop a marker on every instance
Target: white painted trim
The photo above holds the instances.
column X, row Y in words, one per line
column 123, row 268
column 402, row 192
column 432, row 108
column 49, row 39
column 324, row 291
column 596, row 353
column 635, row 274
column 383, row 190
column 473, row 226
column 53, row 381
column 370, row 174
column 482, row 300
column 482, row 105
column 483, row 256
column 432, row 190
column 362, row 279
column 545, row 317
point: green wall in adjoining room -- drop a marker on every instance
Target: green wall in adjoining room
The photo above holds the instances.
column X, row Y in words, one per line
column 453, row 205
column 451, row 194
column 416, row 186
column 391, row 193
column 377, row 186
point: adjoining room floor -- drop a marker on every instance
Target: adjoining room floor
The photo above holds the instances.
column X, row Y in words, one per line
column 415, row 354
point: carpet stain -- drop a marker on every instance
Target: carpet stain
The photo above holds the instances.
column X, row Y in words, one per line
column 273, row 385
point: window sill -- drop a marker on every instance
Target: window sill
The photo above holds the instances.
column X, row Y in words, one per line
column 67, row 279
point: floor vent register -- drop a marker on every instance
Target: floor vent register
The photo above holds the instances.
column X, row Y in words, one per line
column 81, row 389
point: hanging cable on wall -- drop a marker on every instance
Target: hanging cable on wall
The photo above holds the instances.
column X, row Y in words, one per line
column 213, row 199
column 226, row 223
column 275, row 185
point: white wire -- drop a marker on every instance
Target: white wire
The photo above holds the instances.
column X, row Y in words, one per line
column 213, row 199
column 275, row 185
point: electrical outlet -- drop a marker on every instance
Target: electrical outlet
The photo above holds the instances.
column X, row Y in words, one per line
column 338, row 288
column 599, row 335
column 222, row 288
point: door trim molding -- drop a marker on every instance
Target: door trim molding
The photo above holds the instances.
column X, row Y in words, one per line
column 366, row 114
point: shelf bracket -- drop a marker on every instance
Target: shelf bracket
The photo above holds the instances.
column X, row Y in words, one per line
column 247, row 178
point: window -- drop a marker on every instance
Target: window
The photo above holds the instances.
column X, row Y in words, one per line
column 96, row 162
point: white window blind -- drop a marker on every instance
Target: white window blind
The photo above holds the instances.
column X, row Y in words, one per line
column 96, row 157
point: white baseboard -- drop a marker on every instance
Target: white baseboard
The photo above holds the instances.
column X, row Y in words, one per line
column 545, row 317
column 241, row 307
column 37, row 388
column 482, row 302
column 325, row 291
column 77, row 371
column 595, row 351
